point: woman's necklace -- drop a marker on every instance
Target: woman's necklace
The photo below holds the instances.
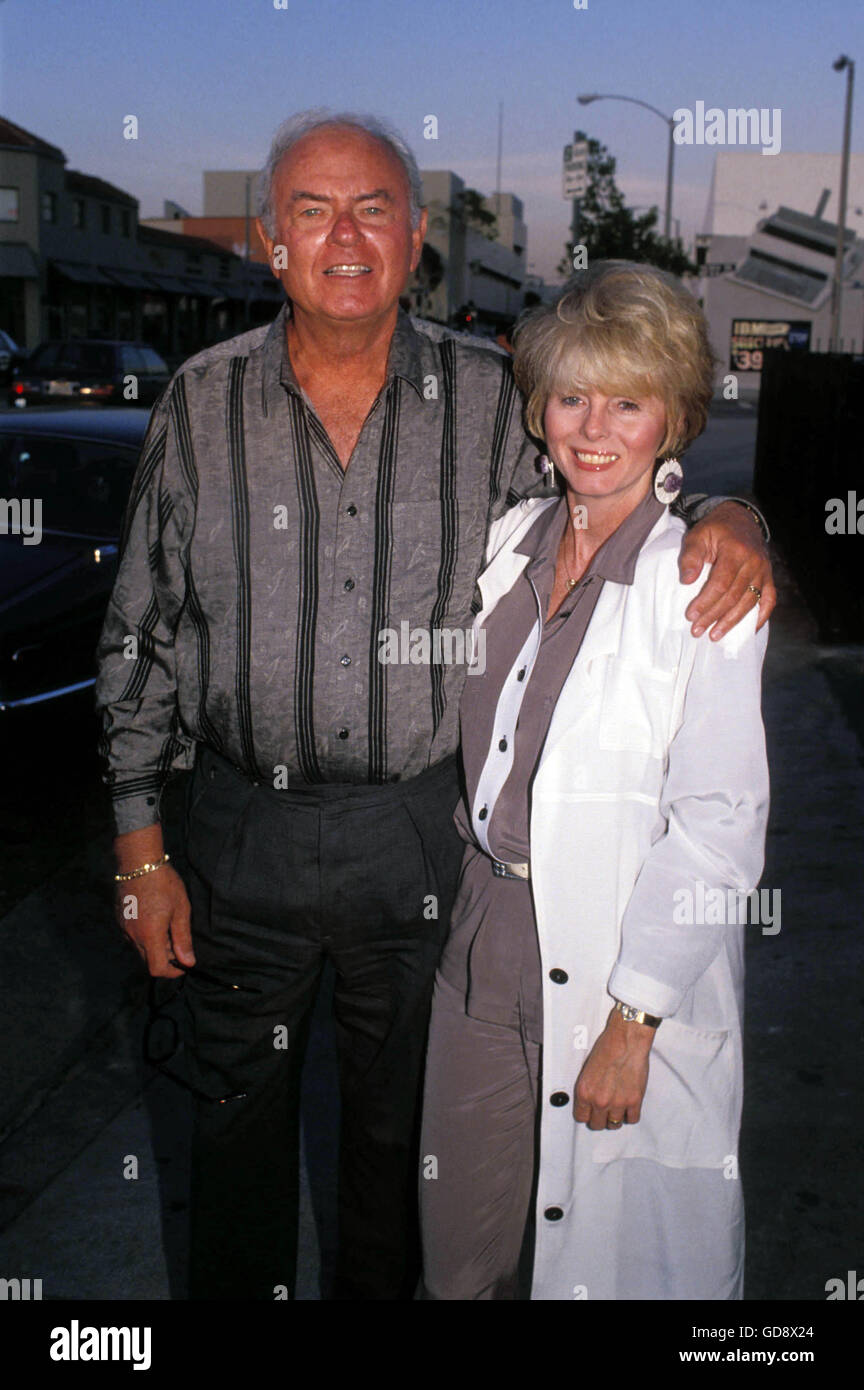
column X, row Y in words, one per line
column 571, row 583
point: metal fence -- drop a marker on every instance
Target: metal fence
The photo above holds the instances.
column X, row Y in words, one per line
column 809, row 475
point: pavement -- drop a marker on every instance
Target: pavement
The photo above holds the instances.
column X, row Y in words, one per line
column 94, row 1146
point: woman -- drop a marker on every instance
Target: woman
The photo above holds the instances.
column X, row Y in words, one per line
column 585, row 1045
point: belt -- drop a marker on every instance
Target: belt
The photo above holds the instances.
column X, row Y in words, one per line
column 502, row 870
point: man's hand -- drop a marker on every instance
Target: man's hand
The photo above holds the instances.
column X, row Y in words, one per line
column 153, row 910
column 612, row 1082
column 730, row 540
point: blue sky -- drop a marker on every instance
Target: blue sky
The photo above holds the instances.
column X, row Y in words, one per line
column 210, row 79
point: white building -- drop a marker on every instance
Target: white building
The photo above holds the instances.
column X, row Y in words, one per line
column 747, row 186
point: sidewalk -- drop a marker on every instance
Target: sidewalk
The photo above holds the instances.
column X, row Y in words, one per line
column 75, row 1109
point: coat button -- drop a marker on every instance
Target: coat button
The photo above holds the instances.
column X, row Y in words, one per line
column 482, row 814
column 352, row 510
column 345, row 660
column 343, row 733
column 559, row 1098
column 558, row 977
column 348, row 585
column 553, row 1213
column 502, row 745
column 520, row 675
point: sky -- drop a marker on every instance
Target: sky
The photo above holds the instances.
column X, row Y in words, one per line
column 209, row 80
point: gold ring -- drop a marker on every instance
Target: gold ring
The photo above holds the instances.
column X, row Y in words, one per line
column 615, row 1124
column 753, row 590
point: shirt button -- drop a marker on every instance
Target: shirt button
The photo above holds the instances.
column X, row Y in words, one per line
column 553, row 1213
column 348, row 585
column 352, row 510
column 560, row 977
column 343, row 733
column 559, row 1098
column 482, row 814
column 345, row 660
column 520, row 675
column 503, row 745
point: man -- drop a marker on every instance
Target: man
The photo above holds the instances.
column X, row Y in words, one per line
column 305, row 490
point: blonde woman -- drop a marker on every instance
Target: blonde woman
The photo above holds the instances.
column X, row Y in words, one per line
column 584, row 1069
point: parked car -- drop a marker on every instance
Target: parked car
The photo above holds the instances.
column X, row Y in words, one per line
column 89, row 370
column 78, row 465
column 10, row 355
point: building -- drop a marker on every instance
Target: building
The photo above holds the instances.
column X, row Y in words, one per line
column 76, row 262
column 774, row 289
column 229, row 214
column 746, row 186
column 481, row 276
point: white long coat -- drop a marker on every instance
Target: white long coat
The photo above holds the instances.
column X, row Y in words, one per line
column 652, row 783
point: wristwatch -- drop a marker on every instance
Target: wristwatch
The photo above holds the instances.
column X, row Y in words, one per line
column 631, row 1015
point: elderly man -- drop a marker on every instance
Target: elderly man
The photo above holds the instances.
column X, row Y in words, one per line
column 302, row 490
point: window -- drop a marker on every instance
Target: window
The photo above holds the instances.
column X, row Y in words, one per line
column 49, row 207
column 131, row 360
column 106, row 219
column 78, row 218
column 125, row 222
column 85, row 485
column 8, row 204
column 153, row 363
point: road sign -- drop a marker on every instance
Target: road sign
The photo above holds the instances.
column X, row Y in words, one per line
column 575, row 171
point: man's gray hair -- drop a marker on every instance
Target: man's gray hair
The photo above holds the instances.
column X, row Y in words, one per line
column 296, row 127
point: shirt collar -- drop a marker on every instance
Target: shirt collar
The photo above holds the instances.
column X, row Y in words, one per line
column 404, row 359
column 616, row 558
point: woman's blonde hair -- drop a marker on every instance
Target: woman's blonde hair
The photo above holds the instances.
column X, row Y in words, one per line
column 625, row 329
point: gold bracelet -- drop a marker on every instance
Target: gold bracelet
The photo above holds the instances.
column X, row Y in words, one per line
column 763, row 526
column 144, row 869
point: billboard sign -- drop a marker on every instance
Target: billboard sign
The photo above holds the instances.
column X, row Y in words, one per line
column 750, row 338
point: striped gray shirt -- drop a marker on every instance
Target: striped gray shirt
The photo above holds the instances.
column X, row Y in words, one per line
column 307, row 623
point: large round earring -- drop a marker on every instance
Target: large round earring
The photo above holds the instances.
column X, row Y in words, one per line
column 668, row 480
column 545, row 464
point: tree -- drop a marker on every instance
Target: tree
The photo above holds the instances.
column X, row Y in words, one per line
column 609, row 230
column 468, row 208
column 426, row 279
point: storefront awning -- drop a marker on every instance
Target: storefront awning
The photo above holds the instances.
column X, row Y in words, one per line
column 129, row 279
column 81, row 274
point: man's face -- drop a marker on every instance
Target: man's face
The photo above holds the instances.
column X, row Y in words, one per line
column 341, row 210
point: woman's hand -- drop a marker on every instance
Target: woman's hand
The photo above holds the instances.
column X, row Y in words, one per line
column 611, row 1084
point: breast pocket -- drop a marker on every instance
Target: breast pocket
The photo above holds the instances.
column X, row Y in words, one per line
column 635, row 708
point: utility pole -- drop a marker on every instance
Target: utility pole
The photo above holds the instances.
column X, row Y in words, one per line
column 837, row 297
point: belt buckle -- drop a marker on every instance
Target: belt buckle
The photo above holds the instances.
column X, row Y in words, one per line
column 502, row 870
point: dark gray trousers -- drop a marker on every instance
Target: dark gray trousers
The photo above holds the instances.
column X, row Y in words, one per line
column 280, row 881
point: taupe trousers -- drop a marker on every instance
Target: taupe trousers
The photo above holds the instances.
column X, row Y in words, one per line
column 479, row 1122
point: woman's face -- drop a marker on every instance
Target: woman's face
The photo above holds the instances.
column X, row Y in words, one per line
column 605, row 445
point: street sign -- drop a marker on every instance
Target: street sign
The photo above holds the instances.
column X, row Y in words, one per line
column 575, row 171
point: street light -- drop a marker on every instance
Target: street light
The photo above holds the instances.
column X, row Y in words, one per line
column 606, row 96
column 837, row 300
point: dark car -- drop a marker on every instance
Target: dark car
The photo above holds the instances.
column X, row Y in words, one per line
column 89, row 370
column 56, row 577
column 10, row 355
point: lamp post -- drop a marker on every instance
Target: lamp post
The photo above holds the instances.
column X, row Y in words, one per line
column 837, row 298
column 670, row 158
